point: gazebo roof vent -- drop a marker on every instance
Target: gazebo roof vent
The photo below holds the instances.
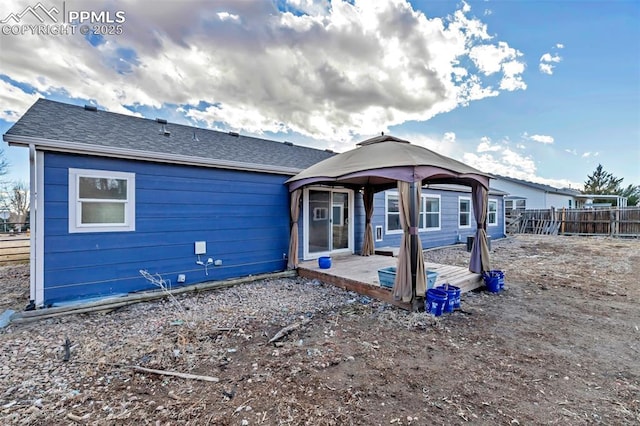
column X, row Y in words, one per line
column 381, row 138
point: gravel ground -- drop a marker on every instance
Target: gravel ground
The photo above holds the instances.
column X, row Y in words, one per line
column 558, row 346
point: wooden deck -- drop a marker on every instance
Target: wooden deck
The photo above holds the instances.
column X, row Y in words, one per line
column 360, row 274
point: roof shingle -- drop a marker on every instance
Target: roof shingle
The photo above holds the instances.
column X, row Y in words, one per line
column 59, row 121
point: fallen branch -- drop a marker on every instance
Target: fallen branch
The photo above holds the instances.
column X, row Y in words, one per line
column 175, row 374
column 78, row 419
column 288, row 329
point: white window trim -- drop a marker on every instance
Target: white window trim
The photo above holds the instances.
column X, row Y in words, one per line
column 306, row 255
column 423, row 207
column 492, row 201
column 378, row 233
column 74, row 204
column 387, row 231
column 424, row 212
column 470, row 212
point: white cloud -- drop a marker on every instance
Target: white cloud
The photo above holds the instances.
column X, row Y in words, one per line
column 590, row 154
column 560, row 46
column 547, row 60
column 491, row 59
column 571, row 151
column 548, row 57
column 511, row 164
column 544, row 139
column 14, row 101
column 486, row 146
column 442, row 144
column 330, row 71
column 546, row 68
column 449, row 137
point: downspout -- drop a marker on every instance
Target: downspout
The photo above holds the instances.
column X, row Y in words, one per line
column 33, row 206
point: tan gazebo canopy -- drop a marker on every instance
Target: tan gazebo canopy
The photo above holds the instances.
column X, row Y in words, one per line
column 382, row 163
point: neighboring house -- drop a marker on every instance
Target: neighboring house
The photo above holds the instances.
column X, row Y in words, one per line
column 524, row 195
column 114, row 194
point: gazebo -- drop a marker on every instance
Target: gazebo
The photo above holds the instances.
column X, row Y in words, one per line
column 384, row 162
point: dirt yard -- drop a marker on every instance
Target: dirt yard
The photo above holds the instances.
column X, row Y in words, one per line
column 560, row 345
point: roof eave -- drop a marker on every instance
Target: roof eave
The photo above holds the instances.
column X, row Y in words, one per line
column 44, row 144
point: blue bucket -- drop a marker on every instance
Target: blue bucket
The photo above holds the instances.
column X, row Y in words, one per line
column 453, row 296
column 324, row 262
column 500, row 275
column 435, row 301
column 493, row 280
column 431, row 279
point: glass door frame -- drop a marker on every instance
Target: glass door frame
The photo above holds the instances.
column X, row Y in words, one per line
column 305, row 221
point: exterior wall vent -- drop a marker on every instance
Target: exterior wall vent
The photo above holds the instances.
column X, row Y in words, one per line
column 287, row 143
column 164, row 131
column 329, row 151
column 234, row 134
column 91, row 108
column 161, row 120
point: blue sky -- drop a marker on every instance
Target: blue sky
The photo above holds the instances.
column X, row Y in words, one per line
column 537, row 90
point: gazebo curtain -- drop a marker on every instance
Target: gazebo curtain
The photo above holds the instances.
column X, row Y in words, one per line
column 421, row 279
column 292, row 262
column 480, row 251
column 402, row 285
column 368, row 247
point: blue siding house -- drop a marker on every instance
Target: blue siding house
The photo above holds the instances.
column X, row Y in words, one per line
column 115, row 194
column 446, row 216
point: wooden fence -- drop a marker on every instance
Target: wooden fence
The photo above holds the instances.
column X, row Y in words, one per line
column 14, row 249
column 615, row 222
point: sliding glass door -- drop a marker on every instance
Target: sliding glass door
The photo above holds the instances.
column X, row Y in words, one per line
column 328, row 220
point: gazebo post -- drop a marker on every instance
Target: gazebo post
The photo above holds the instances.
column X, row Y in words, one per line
column 413, row 227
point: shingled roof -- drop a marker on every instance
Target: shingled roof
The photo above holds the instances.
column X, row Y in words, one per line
column 59, row 126
column 540, row 186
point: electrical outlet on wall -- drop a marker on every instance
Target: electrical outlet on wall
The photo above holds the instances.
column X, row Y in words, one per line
column 201, row 247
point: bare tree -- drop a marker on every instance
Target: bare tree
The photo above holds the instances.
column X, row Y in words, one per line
column 16, row 200
column 4, row 164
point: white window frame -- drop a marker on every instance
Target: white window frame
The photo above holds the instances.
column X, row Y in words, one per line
column 460, row 199
column 492, row 202
column 306, row 255
column 512, row 204
column 378, row 233
column 75, row 204
column 424, row 213
column 386, row 213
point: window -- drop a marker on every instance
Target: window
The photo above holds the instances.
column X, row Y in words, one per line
column 338, row 216
column 393, row 213
column 517, row 204
column 464, row 212
column 320, row 213
column 430, row 212
column 101, row 201
column 429, row 218
column 492, row 213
